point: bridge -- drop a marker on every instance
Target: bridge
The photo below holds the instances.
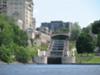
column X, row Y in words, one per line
column 58, row 51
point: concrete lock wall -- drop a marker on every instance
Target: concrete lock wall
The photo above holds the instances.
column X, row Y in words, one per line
column 40, row 60
column 68, row 59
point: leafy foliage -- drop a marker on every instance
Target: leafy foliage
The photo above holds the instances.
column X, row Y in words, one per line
column 75, row 31
column 13, row 42
column 96, row 30
column 10, row 32
column 85, row 43
column 96, row 27
column 22, row 54
column 98, row 40
column 6, row 54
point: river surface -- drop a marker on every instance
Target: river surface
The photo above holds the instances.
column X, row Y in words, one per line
column 21, row 69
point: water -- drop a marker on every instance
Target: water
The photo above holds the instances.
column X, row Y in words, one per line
column 49, row 69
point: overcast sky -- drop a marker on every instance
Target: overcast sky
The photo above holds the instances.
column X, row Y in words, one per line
column 82, row 11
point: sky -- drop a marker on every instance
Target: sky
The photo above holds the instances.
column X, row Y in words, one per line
column 82, row 11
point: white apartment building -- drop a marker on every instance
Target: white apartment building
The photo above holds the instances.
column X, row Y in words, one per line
column 21, row 11
column 3, row 6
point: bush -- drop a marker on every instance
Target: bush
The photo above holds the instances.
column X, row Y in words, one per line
column 33, row 51
column 12, row 41
column 22, row 55
column 6, row 54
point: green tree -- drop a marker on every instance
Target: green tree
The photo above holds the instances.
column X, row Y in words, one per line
column 96, row 27
column 12, row 38
column 21, row 38
column 6, row 32
column 98, row 41
column 9, row 32
column 33, row 51
column 87, row 29
column 75, row 31
column 96, row 30
column 22, row 55
column 6, row 54
column 85, row 43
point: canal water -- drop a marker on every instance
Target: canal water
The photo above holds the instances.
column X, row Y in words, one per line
column 20, row 69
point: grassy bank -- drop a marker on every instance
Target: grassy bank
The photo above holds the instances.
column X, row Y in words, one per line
column 91, row 58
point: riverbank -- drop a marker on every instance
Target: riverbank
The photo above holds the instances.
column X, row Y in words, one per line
column 1, row 63
column 14, row 63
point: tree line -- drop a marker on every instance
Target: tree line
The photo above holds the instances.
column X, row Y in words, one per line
column 13, row 42
column 89, row 39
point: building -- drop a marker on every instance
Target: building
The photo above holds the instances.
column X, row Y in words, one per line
column 20, row 10
column 55, row 25
column 33, row 24
column 3, row 6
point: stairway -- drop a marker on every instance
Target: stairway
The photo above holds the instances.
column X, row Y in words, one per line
column 56, row 50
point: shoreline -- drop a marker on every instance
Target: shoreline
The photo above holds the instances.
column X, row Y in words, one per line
column 14, row 63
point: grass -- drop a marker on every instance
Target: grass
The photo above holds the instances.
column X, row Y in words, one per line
column 95, row 59
column 92, row 59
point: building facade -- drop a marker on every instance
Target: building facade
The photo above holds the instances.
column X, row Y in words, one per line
column 20, row 10
column 56, row 25
column 3, row 6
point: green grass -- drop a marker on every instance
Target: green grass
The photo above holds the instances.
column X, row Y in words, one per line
column 95, row 59
column 92, row 59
